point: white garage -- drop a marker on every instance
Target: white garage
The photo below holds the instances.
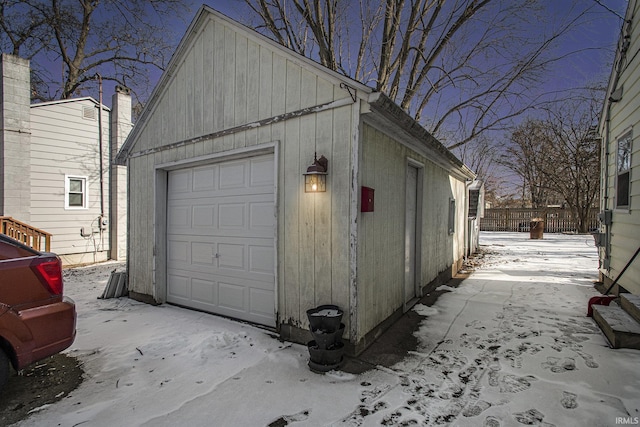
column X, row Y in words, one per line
column 220, row 216
column 220, row 238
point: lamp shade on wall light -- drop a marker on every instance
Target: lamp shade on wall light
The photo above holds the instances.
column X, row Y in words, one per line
column 315, row 179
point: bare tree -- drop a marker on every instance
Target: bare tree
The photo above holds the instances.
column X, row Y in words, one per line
column 121, row 40
column 560, row 155
column 528, row 154
column 22, row 30
column 575, row 171
column 460, row 67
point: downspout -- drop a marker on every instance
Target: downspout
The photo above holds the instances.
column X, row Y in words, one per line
column 101, row 219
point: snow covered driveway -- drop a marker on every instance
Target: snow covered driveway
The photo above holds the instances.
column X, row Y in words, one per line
column 510, row 346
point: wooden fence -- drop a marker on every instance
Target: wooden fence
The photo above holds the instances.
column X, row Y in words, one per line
column 25, row 233
column 556, row 220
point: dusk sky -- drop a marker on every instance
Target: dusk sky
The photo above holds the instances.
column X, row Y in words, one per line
column 596, row 37
column 599, row 33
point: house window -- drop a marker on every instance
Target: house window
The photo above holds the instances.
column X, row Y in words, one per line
column 76, row 192
column 452, row 216
column 623, row 169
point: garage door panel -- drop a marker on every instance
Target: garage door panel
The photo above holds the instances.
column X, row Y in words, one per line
column 261, row 259
column 204, row 179
column 179, row 216
column 203, row 253
column 204, row 216
column 258, row 301
column 233, row 175
column 261, row 215
column 231, row 256
column 180, row 182
column 261, row 172
column 220, row 239
column 204, row 291
column 231, row 296
column 231, row 215
column 178, row 251
column 179, row 286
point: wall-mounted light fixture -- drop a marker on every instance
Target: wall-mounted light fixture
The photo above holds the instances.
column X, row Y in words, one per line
column 315, row 179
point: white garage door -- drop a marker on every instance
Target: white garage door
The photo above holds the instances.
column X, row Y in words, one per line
column 220, row 238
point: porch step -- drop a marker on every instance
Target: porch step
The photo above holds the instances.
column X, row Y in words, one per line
column 631, row 304
column 620, row 328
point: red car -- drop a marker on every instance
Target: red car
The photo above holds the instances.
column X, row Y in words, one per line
column 36, row 320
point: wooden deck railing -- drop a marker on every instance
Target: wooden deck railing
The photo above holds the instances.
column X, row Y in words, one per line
column 25, row 233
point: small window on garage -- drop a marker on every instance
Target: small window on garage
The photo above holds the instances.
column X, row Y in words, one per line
column 76, row 194
column 623, row 169
column 452, row 216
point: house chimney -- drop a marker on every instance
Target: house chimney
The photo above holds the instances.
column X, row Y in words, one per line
column 120, row 127
column 15, row 138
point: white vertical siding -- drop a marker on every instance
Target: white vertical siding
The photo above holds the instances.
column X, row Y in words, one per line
column 243, row 81
column 63, row 142
column 381, row 268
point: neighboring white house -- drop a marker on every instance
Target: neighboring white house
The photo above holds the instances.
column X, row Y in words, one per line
column 219, row 216
column 56, row 174
column 620, row 174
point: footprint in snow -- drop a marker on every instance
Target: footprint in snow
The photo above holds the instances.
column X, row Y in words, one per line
column 514, row 384
column 513, row 356
column 527, row 334
column 449, row 413
column 396, row 418
column 569, row 400
column 419, row 406
column 417, row 386
column 441, row 360
column 467, row 374
column 531, row 417
column 450, row 390
column 588, row 360
column 529, row 347
column 356, row 418
column 476, row 409
column 557, row 366
column 560, row 343
column 469, row 341
column 494, row 369
column 475, row 324
column 492, row 421
column 369, row 396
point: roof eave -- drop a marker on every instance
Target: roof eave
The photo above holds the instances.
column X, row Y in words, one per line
column 396, row 117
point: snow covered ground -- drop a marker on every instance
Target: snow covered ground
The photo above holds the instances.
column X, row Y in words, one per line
column 510, row 346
